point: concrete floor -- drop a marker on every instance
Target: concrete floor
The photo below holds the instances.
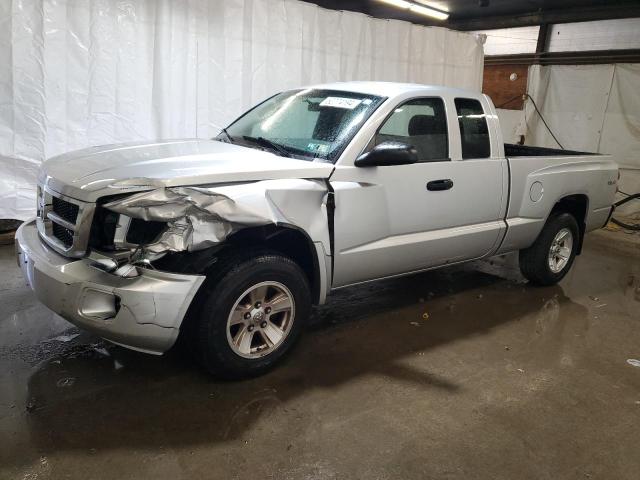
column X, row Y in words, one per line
column 460, row 373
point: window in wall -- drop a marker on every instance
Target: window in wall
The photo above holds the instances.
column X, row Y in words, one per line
column 474, row 132
column 623, row 33
column 509, row 41
column 421, row 123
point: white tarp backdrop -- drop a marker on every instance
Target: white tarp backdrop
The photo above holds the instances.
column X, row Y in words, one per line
column 593, row 108
column 90, row 72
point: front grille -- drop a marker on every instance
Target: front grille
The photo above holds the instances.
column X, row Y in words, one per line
column 63, row 234
column 64, row 223
column 66, row 210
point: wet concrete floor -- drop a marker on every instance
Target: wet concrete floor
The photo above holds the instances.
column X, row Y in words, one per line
column 453, row 374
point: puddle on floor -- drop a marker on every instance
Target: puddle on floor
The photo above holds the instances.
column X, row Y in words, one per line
column 468, row 336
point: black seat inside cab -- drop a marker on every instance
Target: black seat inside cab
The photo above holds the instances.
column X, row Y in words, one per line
column 428, row 134
column 425, row 125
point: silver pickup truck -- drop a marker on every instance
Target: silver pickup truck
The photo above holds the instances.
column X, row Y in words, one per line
column 229, row 242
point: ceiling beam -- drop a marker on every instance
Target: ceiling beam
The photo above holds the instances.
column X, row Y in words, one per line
column 589, row 57
column 568, row 15
column 543, row 38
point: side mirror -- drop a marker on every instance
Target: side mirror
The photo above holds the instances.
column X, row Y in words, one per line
column 388, row 153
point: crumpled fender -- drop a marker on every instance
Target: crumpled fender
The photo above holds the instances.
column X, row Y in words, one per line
column 200, row 217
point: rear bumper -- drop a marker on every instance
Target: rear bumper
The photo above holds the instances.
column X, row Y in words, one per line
column 143, row 313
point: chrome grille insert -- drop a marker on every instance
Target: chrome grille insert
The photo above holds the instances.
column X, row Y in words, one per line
column 64, row 223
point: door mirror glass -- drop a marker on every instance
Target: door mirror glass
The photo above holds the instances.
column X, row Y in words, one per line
column 388, row 153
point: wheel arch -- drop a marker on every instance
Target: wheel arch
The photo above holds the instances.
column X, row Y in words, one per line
column 576, row 205
column 288, row 240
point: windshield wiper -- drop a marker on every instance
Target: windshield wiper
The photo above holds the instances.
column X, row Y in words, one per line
column 265, row 142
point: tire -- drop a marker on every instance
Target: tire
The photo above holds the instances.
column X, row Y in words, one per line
column 535, row 262
column 234, row 281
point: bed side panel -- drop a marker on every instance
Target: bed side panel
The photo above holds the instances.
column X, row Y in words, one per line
column 538, row 183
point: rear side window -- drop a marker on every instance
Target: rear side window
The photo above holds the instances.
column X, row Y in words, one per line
column 473, row 129
column 421, row 122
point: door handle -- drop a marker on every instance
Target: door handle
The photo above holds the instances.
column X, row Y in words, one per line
column 437, row 185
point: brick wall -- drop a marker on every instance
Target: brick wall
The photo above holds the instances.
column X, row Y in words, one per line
column 500, row 88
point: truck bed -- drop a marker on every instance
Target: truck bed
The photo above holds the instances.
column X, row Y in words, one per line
column 512, row 150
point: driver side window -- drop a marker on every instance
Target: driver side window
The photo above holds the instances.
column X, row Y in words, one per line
column 422, row 123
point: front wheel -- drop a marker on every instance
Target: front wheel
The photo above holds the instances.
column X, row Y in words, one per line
column 251, row 312
column 550, row 257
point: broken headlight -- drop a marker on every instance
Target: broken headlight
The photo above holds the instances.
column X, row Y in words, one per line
column 111, row 231
column 143, row 232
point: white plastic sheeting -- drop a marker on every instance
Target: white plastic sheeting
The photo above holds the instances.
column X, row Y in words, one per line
column 81, row 73
column 510, row 124
column 593, row 108
column 573, row 100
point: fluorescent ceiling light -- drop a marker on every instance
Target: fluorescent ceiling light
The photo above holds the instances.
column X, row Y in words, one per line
column 429, row 12
column 398, row 3
column 421, row 9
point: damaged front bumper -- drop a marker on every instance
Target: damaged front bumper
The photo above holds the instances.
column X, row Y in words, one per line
column 142, row 313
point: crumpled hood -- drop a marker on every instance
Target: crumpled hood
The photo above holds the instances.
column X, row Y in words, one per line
column 91, row 173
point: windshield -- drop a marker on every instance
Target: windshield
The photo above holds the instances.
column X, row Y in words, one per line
column 307, row 124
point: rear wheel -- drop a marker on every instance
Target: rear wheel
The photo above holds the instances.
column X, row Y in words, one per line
column 550, row 257
column 251, row 311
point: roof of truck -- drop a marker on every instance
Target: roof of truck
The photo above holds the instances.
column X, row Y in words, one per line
column 390, row 89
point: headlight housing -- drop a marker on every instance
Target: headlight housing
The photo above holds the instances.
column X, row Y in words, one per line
column 111, row 231
column 142, row 232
